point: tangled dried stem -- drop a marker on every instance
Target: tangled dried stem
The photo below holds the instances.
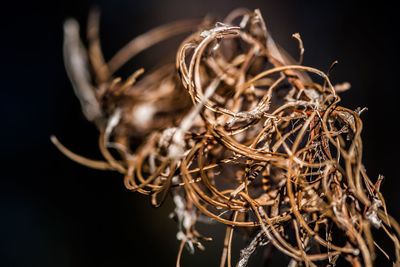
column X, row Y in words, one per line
column 238, row 133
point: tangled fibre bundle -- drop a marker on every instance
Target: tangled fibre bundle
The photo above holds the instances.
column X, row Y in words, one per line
column 239, row 133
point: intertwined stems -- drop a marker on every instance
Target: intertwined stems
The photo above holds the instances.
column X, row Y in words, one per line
column 238, row 133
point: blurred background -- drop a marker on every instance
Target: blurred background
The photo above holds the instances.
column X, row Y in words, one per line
column 54, row 212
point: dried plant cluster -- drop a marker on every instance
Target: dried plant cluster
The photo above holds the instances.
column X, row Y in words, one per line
column 238, row 133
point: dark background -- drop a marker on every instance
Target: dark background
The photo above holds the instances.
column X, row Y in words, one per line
column 54, row 212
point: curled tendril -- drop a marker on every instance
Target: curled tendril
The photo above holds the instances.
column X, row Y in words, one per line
column 239, row 133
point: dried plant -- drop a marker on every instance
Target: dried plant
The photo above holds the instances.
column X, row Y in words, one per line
column 237, row 132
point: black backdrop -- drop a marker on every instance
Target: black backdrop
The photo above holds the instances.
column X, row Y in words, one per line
column 54, row 212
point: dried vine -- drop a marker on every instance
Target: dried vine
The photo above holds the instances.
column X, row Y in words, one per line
column 237, row 132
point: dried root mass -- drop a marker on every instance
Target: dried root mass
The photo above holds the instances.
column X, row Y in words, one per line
column 237, row 132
